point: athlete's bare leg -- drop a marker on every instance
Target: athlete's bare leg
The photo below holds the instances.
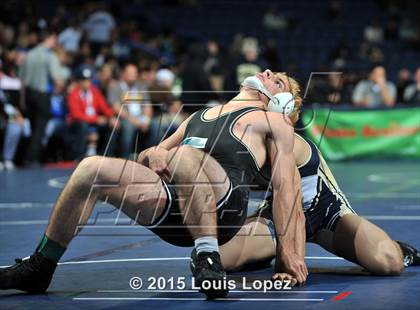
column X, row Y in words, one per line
column 252, row 244
column 201, row 182
column 360, row 241
column 355, row 239
column 134, row 189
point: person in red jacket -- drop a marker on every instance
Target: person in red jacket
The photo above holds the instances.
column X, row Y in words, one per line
column 90, row 116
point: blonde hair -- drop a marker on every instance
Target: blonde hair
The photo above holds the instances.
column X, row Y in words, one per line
column 294, row 89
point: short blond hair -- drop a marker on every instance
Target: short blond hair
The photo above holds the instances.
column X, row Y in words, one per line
column 295, row 90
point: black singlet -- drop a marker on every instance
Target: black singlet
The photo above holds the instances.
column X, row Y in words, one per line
column 215, row 137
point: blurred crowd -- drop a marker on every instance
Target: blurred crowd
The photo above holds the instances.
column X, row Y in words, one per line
column 84, row 82
column 372, row 91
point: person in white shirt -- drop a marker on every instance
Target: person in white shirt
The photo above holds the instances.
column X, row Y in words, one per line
column 412, row 91
column 376, row 91
column 70, row 37
column 99, row 27
column 16, row 125
column 131, row 102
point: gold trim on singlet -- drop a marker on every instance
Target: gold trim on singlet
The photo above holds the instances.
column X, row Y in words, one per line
column 326, row 175
column 310, row 150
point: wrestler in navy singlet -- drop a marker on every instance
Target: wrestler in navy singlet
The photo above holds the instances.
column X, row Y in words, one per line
column 322, row 200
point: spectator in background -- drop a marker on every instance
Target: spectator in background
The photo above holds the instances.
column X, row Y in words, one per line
column 213, row 65
column 7, row 34
column 376, row 91
column 104, row 78
column 168, row 116
column 375, row 55
column 27, row 37
column 412, row 92
column 40, row 64
column 9, row 82
column 195, row 81
column 131, row 101
column 64, row 59
column 408, row 32
column 403, row 80
column 341, row 55
column 70, row 37
column 234, row 51
column 370, row 54
column 3, row 123
column 147, row 73
column 89, row 114
column 54, row 138
column 99, row 27
column 330, row 90
column 273, row 20
column 213, row 62
column 247, row 65
column 374, row 33
column 11, row 121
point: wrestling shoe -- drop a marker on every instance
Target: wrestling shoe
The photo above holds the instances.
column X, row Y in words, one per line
column 209, row 274
column 411, row 254
column 32, row 274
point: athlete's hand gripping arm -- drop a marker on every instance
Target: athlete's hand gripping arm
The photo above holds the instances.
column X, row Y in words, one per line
column 287, row 205
column 156, row 157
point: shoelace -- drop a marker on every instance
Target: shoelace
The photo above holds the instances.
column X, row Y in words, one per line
column 24, row 264
column 208, row 261
column 408, row 260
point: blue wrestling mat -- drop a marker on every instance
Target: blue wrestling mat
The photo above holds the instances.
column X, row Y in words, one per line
column 96, row 270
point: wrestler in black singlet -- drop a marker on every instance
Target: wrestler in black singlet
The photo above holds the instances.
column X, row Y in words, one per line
column 215, row 137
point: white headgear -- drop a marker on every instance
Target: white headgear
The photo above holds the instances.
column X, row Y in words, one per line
column 280, row 102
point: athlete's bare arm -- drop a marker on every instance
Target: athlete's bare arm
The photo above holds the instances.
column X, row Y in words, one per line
column 155, row 157
column 301, row 155
column 287, row 209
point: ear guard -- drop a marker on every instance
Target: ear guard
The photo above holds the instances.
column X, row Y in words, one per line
column 281, row 102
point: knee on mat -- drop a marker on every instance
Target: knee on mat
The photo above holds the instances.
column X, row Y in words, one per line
column 389, row 263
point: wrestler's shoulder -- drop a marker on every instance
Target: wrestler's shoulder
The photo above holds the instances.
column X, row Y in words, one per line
column 267, row 119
